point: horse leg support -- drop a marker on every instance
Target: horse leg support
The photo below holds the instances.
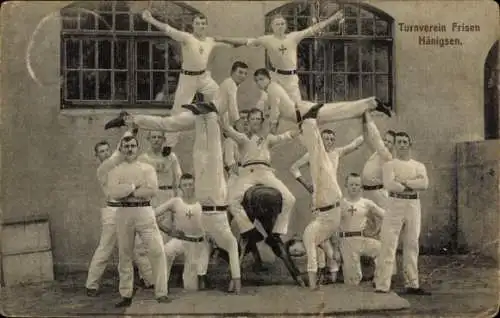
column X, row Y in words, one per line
column 278, row 247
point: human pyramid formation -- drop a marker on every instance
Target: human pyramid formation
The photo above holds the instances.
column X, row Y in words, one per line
column 194, row 207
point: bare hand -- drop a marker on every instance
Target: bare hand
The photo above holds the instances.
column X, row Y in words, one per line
column 310, row 188
column 146, row 15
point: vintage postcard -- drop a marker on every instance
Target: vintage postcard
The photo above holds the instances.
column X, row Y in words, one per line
column 250, row 158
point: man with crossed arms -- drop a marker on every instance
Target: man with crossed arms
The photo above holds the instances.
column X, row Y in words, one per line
column 196, row 49
column 333, row 154
column 107, row 241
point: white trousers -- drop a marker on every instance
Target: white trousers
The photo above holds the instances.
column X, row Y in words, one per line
column 187, row 88
column 352, row 248
column 140, row 220
column 399, row 213
column 105, row 248
column 249, row 177
column 328, row 256
column 191, row 251
column 290, row 83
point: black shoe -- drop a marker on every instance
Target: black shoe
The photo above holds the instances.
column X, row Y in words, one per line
column 381, row 107
column 163, row 300
column 378, row 291
column 92, row 292
column 117, row 122
column 193, row 108
column 417, row 291
column 312, row 112
column 125, row 302
column 206, row 108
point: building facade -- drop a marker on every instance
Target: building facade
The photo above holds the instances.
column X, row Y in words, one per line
column 68, row 67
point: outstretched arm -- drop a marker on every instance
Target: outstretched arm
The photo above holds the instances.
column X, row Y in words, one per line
column 253, row 42
column 172, row 32
column 314, row 29
column 281, row 138
column 373, row 138
column 295, row 170
column 354, row 145
column 114, row 160
column 376, row 210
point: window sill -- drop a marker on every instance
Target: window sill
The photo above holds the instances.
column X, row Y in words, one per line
column 87, row 112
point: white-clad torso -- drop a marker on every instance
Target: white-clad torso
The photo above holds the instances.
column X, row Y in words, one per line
column 372, row 171
column 282, row 52
column 187, row 218
column 135, row 172
column 256, row 149
column 227, row 90
column 406, row 169
column 166, row 167
column 195, row 53
column 354, row 214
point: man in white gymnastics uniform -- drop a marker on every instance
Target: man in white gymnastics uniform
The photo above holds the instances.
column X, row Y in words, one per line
column 334, row 154
column 355, row 210
column 166, row 164
column 283, row 107
column 404, row 178
column 210, row 182
column 281, row 47
column 107, row 241
column 196, row 49
column 186, row 231
column 133, row 184
column 256, row 169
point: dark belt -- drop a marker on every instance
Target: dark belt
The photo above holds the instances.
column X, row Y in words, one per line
column 214, row 208
column 350, row 234
column 254, row 163
column 192, row 73
column 188, row 239
column 407, row 196
column 328, row 207
column 126, row 204
column 283, row 72
column 164, row 187
column 373, row 187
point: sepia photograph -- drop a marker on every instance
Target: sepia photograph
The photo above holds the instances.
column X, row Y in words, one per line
column 250, row 158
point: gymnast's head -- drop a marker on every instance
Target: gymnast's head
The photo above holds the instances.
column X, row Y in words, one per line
column 353, row 185
column 129, row 147
column 255, row 120
column 102, row 150
column 239, row 72
column 262, row 78
column 241, row 125
column 156, row 138
column 278, row 24
column 187, row 185
column 403, row 143
column 328, row 137
column 389, row 139
column 200, row 23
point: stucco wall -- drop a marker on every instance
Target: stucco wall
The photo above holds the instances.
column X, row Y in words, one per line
column 48, row 165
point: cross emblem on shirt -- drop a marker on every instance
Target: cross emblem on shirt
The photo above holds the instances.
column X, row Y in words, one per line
column 189, row 214
column 260, row 141
column 351, row 209
column 202, row 50
column 282, row 49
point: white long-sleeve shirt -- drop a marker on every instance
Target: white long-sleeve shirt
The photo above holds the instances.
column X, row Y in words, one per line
column 168, row 168
column 231, row 152
column 335, row 154
column 410, row 171
column 126, row 177
column 279, row 103
column 185, row 217
column 227, row 100
column 372, row 171
column 354, row 214
column 195, row 52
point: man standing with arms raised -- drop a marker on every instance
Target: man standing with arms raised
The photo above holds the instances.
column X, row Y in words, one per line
column 404, row 178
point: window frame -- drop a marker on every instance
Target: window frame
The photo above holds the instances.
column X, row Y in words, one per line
column 334, row 37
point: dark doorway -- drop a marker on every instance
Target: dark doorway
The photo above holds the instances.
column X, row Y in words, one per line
column 491, row 92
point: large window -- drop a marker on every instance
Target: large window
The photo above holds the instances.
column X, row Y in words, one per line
column 112, row 58
column 342, row 63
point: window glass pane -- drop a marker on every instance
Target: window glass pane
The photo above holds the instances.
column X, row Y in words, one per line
column 366, row 14
column 353, row 89
column 338, row 57
column 306, row 84
column 122, row 22
column 104, row 89
column 367, row 27
column 173, row 79
column 139, row 23
column 89, row 53
column 382, row 87
column 159, row 84
column 351, row 11
column 381, row 59
column 303, row 22
column 381, row 28
column 69, row 19
column 305, row 55
column 142, row 55
column 367, row 86
column 72, row 85
column 339, row 87
column 159, row 54
column 87, row 21
column 350, row 27
column 319, row 57
column 121, row 6
column 121, row 54
column 104, row 54
column 174, row 55
column 72, row 53
column 105, row 21
column 366, row 58
column 352, row 58
column 143, row 83
column 121, row 86
column 89, row 85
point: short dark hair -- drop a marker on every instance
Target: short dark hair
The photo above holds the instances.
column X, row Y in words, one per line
column 352, row 174
column 328, row 131
column 200, row 16
column 391, row 132
column 255, row 111
column 237, row 65
column 262, row 71
column 101, row 143
column 403, row 134
column 236, row 123
column 277, row 16
column 187, row 176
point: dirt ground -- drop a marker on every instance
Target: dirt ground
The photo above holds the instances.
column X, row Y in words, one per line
column 462, row 286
